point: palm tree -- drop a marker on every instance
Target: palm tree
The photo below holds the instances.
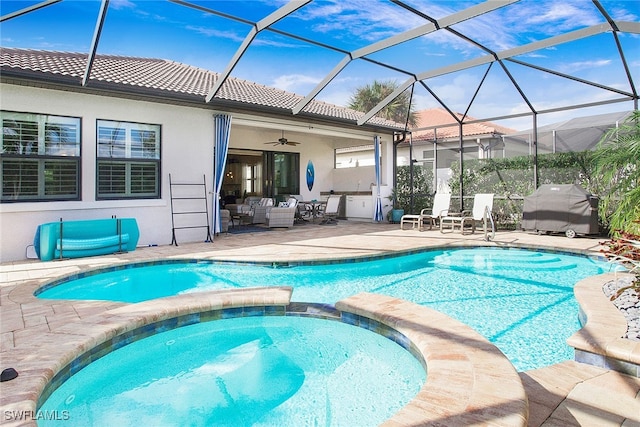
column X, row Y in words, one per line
column 617, row 162
column 368, row 96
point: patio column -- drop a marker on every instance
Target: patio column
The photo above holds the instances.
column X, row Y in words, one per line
column 377, row 214
column 536, row 178
column 461, row 179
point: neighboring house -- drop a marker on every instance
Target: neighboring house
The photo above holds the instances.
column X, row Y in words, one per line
column 437, row 129
column 435, row 143
column 108, row 147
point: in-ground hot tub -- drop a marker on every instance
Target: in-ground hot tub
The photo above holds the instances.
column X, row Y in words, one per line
column 256, row 370
column 484, row 378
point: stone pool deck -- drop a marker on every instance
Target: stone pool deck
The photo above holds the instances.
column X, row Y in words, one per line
column 566, row 394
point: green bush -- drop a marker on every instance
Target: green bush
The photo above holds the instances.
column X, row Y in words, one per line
column 617, row 163
column 420, row 190
column 512, row 179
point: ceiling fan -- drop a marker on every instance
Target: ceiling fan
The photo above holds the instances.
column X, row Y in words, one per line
column 283, row 141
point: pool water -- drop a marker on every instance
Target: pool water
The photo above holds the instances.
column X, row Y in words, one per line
column 275, row 370
column 521, row 300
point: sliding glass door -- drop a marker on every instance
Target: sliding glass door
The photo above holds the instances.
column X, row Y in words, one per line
column 261, row 173
column 282, row 174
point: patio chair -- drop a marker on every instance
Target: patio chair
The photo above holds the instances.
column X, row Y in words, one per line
column 282, row 215
column 440, row 208
column 243, row 208
column 259, row 211
column 302, row 213
column 481, row 212
column 331, row 209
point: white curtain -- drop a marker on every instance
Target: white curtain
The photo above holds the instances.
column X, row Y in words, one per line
column 377, row 214
column 222, row 131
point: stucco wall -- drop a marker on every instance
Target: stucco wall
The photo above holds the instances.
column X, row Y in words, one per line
column 186, row 149
column 187, row 154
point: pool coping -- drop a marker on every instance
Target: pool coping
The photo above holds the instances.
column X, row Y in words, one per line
column 469, row 379
column 600, row 342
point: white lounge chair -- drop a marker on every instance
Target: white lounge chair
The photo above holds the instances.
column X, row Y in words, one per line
column 331, row 209
column 481, row 212
column 440, row 208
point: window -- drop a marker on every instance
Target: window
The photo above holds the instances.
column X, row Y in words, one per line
column 243, row 173
column 39, row 157
column 353, row 157
column 128, row 160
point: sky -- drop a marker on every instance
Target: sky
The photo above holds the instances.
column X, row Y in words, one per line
column 195, row 36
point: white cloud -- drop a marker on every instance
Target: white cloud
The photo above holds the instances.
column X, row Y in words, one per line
column 295, row 82
column 555, row 13
column 365, row 19
column 584, row 65
column 621, row 14
column 551, row 17
column 335, row 97
column 210, row 32
column 122, row 4
column 275, row 43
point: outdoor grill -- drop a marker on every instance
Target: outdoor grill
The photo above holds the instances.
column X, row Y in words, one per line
column 566, row 208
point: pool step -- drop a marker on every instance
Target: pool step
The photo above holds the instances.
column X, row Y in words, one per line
column 474, row 260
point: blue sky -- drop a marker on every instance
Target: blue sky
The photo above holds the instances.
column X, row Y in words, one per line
column 163, row 29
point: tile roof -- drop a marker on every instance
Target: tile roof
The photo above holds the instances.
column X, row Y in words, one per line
column 438, row 116
column 159, row 76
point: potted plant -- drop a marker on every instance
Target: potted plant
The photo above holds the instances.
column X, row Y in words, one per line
column 395, row 214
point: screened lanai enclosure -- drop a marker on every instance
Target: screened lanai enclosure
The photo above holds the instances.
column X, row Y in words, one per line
column 505, row 163
column 526, row 88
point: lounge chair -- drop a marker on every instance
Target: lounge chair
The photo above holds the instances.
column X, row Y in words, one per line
column 440, row 208
column 330, row 213
column 481, row 212
column 282, row 215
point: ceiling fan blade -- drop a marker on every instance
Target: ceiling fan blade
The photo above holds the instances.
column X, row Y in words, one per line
column 283, row 141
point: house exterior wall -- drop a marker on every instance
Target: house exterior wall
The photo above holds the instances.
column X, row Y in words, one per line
column 186, row 135
column 186, row 154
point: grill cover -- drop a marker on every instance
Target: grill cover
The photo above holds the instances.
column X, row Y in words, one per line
column 558, row 208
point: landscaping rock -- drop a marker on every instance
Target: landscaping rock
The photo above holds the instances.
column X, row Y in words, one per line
column 628, row 303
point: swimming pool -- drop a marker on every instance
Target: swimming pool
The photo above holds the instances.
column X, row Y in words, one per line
column 263, row 370
column 520, row 300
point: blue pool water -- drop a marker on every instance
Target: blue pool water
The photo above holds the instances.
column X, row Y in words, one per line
column 275, row 371
column 520, row 300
